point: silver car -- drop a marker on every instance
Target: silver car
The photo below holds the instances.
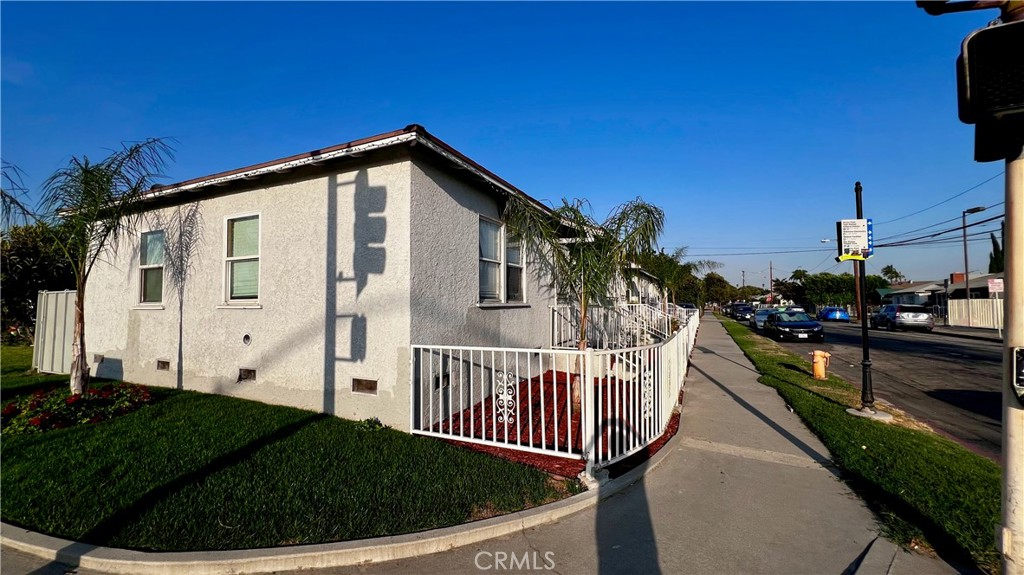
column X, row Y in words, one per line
column 903, row 316
column 757, row 321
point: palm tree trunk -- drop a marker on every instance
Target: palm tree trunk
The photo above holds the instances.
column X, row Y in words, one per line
column 79, row 368
column 575, row 381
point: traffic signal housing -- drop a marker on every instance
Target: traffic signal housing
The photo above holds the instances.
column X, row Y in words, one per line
column 990, row 88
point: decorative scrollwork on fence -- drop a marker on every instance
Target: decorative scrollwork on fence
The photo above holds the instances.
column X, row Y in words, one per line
column 648, row 395
column 507, row 386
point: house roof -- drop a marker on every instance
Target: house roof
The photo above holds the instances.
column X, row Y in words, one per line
column 918, row 287
column 976, row 282
column 411, row 135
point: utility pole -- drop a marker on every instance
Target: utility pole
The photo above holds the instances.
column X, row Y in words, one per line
column 991, row 97
column 1012, row 537
column 744, row 282
column 771, row 284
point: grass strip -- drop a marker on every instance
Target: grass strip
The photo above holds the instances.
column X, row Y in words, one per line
column 918, row 481
column 202, row 472
column 15, row 377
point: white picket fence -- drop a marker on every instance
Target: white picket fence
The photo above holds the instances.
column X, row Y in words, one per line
column 523, row 399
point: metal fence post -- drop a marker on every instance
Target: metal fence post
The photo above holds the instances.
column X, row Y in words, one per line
column 587, row 415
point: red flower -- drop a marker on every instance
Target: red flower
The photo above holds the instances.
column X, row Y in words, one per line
column 35, row 421
column 96, row 419
column 11, row 409
column 39, row 393
column 73, row 399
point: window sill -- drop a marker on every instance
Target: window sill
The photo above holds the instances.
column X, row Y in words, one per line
column 141, row 306
column 502, row 305
column 247, row 305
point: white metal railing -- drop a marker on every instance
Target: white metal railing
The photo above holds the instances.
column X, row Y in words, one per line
column 522, row 399
column 624, row 325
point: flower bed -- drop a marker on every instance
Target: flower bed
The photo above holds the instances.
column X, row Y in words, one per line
column 58, row 408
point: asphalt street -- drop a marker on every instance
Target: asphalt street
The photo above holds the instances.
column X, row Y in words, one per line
column 952, row 384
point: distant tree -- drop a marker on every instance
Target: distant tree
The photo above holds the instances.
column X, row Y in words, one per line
column 29, row 263
column 890, row 273
column 748, row 293
column 716, row 289
column 996, row 258
column 799, row 275
column 790, row 290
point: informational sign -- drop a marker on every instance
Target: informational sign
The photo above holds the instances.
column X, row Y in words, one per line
column 995, row 285
column 856, row 239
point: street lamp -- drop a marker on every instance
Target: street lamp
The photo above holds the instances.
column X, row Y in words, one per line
column 967, row 272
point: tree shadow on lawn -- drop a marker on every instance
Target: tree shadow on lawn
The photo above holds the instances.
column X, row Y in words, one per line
column 103, row 532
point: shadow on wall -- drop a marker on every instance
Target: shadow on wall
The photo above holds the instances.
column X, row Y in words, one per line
column 184, row 235
column 369, row 256
column 110, row 368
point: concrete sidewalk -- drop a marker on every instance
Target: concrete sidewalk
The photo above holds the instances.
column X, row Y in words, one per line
column 744, row 487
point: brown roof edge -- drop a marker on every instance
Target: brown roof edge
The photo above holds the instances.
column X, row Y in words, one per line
column 416, row 129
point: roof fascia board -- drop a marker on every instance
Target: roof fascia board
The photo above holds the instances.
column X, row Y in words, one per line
column 280, row 166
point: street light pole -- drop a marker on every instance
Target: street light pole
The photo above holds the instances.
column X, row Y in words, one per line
column 967, row 269
column 867, row 396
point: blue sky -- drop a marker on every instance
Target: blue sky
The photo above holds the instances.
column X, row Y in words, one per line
column 748, row 123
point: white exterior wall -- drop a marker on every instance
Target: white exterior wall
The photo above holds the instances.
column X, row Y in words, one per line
column 445, row 271
column 331, row 307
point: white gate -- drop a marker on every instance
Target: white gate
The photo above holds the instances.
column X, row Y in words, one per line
column 55, row 326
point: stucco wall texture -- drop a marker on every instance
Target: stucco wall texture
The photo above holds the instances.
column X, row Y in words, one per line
column 354, row 268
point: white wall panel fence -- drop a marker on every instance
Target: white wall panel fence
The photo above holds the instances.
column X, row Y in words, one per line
column 984, row 313
column 55, row 326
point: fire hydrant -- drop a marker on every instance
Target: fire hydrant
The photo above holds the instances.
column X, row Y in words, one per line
column 819, row 363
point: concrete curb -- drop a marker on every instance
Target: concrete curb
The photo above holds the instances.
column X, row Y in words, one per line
column 967, row 336
column 340, row 554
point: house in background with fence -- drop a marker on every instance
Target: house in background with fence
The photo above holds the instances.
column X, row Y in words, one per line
column 376, row 279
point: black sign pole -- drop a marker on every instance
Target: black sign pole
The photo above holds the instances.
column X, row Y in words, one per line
column 867, row 396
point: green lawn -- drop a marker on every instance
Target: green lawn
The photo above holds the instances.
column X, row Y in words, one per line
column 923, row 485
column 198, row 472
column 15, row 379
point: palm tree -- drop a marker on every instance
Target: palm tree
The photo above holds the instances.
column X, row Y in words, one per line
column 97, row 205
column 583, row 258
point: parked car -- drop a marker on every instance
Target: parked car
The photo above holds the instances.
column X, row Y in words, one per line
column 903, row 316
column 793, row 325
column 833, row 314
column 743, row 312
column 757, row 321
column 687, row 305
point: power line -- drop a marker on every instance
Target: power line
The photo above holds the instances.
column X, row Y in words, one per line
column 949, row 199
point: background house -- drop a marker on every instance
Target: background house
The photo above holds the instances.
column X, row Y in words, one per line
column 303, row 281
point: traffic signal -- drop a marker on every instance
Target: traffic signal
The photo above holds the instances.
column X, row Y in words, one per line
column 990, row 72
column 990, row 88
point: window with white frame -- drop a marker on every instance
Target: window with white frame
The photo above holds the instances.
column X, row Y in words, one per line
column 242, row 260
column 501, row 265
column 151, row 267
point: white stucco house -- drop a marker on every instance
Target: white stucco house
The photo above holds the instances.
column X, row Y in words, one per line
column 303, row 281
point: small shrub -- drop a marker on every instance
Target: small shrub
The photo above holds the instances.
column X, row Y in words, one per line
column 58, row 408
column 371, row 424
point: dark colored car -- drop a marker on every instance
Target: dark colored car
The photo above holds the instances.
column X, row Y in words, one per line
column 833, row 314
column 903, row 316
column 794, row 326
column 742, row 312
